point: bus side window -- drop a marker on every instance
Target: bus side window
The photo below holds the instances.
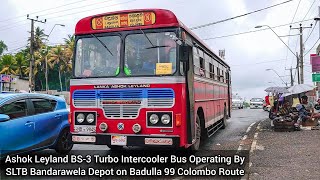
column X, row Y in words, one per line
column 202, row 68
column 211, row 70
column 196, row 62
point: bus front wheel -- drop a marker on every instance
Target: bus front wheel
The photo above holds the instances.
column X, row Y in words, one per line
column 196, row 145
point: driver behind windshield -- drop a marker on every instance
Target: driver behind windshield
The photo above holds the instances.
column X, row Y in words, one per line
column 149, row 64
column 104, row 67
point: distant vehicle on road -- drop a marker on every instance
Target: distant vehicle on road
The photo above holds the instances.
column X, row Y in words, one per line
column 32, row 122
column 256, row 103
column 237, row 102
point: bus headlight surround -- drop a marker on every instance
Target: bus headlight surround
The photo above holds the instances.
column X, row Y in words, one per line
column 80, row 118
column 165, row 119
column 136, row 128
column 90, row 118
column 103, row 126
column 154, row 119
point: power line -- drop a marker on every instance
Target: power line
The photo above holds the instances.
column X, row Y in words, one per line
column 310, row 32
column 76, row 8
column 309, row 9
column 311, row 47
column 247, row 32
column 296, row 11
column 228, row 19
column 259, row 62
column 92, row 9
column 63, row 15
column 294, row 15
column 42, row 11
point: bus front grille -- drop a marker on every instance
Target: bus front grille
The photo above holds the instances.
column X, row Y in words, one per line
column 124, row 103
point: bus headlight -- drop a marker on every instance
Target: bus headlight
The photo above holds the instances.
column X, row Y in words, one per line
column 80, row 118
column 165, row 119
column 154, row 119
column 136, row 128
column 90, row 118
column 103, row 126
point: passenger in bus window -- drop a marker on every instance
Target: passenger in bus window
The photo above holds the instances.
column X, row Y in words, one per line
column 87, row 70
column 103, row 67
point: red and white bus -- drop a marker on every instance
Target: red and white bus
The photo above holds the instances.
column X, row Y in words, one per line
column 142, row 78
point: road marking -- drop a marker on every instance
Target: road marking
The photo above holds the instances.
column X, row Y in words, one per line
column 244, row 137
column 254, row 143
column 249, row 128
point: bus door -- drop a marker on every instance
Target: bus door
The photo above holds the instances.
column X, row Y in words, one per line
column 189, row 74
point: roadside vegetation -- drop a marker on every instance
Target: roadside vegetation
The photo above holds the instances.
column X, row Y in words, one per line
column 59, row 58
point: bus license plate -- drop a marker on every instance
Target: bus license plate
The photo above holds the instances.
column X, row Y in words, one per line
column 119, row 140
column 83, row 138
column 158, row 141
column 85, row 129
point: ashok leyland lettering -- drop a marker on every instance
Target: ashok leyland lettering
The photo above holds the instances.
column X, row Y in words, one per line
column 141, row 78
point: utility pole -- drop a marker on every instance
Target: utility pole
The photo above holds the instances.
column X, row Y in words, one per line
column 298, row 68
column 31, row 74
column 291, row 76
column 301, row 28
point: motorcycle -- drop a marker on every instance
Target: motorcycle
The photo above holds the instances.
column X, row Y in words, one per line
column 317, row 105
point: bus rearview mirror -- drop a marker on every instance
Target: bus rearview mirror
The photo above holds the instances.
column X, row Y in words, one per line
column 184, row 53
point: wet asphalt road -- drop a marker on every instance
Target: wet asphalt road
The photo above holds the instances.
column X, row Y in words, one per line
column 229, row 138
column 225, row 139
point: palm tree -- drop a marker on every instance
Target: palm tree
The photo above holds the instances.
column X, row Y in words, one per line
column 8, row 64
column 39, row 37
column 3, row 47
column 56, row 57
column 21, row 63
column 69, row 46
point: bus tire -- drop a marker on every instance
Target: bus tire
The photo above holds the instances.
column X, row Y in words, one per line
column 224, row 120
column 196, row 145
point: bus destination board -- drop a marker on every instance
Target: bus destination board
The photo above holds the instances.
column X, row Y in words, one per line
column 123, row 20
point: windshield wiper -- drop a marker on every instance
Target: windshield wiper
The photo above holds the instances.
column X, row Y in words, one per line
column 152, row 45
column 102, row 43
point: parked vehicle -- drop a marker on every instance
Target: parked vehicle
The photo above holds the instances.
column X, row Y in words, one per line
column 237, row 102
column 256, row 103
column 32, row 122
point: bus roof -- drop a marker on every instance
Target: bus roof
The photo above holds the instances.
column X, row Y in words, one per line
column 162, row 18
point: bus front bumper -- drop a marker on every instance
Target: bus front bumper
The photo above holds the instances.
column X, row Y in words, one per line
column 126, row 140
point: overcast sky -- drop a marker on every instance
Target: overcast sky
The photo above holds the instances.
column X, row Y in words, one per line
column 249, row 55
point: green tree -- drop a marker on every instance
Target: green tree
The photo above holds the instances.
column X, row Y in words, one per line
column 21, row 64
column 56, row 57
column 8, row 63
column 3, row 47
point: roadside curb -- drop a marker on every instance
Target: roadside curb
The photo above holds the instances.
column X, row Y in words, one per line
column 252, row 148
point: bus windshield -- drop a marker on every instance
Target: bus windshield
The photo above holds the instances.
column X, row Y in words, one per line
column 97, row 56
column 150, row 54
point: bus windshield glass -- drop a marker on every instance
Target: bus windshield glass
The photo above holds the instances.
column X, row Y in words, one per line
column 97, row 56
column 150, row 54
